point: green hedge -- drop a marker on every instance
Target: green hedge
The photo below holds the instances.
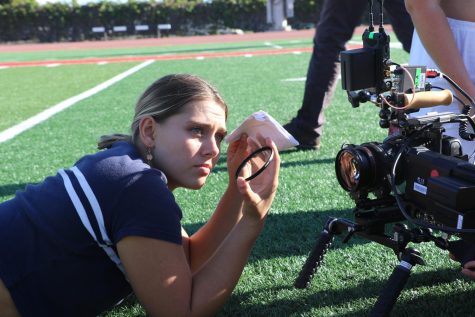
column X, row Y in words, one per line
column 25, row 20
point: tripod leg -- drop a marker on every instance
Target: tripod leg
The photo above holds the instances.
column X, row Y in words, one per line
column 396, row 283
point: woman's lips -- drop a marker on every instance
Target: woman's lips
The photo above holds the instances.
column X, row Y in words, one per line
column 205, row 169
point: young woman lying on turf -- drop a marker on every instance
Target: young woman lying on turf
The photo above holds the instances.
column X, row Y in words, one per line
column 80, row 241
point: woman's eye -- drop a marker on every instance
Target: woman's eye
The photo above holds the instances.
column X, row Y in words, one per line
column 197, row 131
column 219, row 138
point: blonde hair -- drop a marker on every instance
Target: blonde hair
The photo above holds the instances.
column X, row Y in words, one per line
column 163, row 99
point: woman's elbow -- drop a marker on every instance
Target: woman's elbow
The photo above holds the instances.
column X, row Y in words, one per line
column 414, row 6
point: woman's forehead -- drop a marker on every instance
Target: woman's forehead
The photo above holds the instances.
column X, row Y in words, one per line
column 206, row 110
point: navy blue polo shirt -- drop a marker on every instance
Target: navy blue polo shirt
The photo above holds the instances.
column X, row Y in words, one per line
column 51, row 264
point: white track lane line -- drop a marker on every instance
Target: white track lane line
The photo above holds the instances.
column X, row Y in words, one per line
column 42, row 116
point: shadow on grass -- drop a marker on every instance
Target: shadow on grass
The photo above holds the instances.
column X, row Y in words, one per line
column 308, row 302
column 10, row 189
column 292, row 234
column 454, row 304
column 302, row 302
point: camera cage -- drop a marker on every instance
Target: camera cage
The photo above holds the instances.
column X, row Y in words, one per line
column 369, row 75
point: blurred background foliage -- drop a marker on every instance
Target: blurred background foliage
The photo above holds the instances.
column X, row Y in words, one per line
column 27, row 20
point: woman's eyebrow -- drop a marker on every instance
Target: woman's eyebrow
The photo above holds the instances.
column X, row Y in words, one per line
column 207, row 125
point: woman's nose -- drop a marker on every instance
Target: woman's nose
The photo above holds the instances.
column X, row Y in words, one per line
column 211, row 148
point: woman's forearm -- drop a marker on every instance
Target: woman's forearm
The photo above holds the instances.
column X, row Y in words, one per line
column 206, row 240
column 162, row 280
column 215, row 281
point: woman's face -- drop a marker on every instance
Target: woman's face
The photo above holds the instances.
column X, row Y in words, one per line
column 187, row 145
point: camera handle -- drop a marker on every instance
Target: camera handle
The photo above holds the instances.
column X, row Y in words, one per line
column 388, row 297
column 315, row 258
column 323, row 243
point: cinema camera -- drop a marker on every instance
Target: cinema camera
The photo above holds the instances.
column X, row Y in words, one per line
column 416, row 180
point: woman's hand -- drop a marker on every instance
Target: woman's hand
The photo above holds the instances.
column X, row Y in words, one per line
column 469, row 269
column 237, row 152
column 259, row 192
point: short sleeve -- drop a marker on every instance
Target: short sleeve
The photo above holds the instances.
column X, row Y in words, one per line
column 147, row 208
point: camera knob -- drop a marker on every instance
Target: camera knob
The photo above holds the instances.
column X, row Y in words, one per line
column 384, row 123
column 398, row 227
column 388, row 85
column 384, row 113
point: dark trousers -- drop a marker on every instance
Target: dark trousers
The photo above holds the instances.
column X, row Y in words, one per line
column 338, row 20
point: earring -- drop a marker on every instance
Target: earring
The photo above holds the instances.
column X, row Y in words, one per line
column 149, row 156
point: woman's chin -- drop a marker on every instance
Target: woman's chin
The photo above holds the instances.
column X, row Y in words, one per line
column 197, row 185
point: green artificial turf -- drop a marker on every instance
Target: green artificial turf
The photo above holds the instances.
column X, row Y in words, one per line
column 27, row 91
column 353, row 274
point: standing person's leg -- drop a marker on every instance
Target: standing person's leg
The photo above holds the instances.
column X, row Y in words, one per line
column 338, row 20
column 401, row 22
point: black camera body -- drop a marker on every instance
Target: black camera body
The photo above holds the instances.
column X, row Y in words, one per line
column 417, row 180
column 440, row 189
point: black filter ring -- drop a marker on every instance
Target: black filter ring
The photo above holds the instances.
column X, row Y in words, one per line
column 247, row 159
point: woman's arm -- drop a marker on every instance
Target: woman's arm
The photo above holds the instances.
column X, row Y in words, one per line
column 207, row 239
column 162, row 280
column 434, row 31
column 228, row 212
column 161, row 276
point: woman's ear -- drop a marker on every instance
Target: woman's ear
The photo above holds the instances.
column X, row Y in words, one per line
column 147, row 128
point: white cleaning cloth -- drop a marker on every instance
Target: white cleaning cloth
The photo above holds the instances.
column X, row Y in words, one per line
column 262, row 123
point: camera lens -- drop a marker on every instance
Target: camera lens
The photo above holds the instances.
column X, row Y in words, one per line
column 354, row 168
column 348, row 170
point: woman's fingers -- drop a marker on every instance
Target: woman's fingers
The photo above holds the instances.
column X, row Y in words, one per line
column 469, row 265
column 246, row 191
column 469, row 273
column 255, row 207
column 237, row 151
column 259, row 192
column 238, row 146
column 253, row 144
column 274, row 166
column 469, row 269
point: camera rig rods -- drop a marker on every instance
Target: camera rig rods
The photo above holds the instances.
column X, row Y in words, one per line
column 370, row 226
column 371, row 216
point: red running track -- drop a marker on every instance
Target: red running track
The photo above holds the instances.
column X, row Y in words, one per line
column 145, row 42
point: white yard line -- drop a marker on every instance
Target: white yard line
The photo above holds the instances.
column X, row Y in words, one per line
column 272, row 45
column 42, row 116
column 295, row 79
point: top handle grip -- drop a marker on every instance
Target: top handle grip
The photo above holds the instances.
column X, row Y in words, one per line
column 425, row 99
